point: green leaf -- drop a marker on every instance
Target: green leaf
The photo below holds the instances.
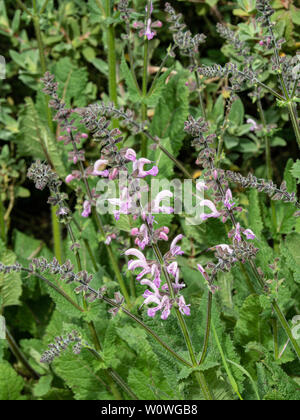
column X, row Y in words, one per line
column 237, row 112
column 250, row 325
column 290, row 250
column 295, row 171
column 158, row 89
column 134, row 94
column 254, row 213
column 11, row 383
column 36, row 140
column 72, row 82
column 10, row 284
column 43, row 386
column 78, row 371
column 171, row 112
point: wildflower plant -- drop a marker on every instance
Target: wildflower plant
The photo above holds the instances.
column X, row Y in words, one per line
column 175, row 267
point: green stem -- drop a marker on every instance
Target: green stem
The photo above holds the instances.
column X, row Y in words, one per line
column 55, row 223
column 20, row 355
column 91, row 324
column 111, row 56
column 2, row 222
column 148, row 330
column 279, row 313
column 286, row 327
column 175, row 161
column 56, row 233
column 101, row 229
column 144, row 92
column 291, row 109
column 269, row 165
column 275, row 335
column 117, row 378
column 130, row 49
column 226, row 366
column 24, row 8
column 43, row 7
column 54, row 287
column 87, row 245
column 199, row 375
column 295, row 121
column 208, row 327
column 162, row 64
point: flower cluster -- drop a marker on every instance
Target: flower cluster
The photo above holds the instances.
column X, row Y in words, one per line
column 268, row 187
column 6, row 269
column 198, row 129
column 266, row 11
column 217, row 184
column 43, row 176
column 158, row 293
column 62, row 343
column 238, row 77
column 187, row 44
column 233, row 39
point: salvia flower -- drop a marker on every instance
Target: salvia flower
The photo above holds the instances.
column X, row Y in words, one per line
column 87, row 209
column 138, row 166
column 147, row 29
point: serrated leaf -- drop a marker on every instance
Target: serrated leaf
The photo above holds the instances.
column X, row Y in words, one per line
column 158, row 89
column 295, row 171
column 72, row 82
column 11, row 283
column 36, row 140
column 171, row 112
column 134, row 94
column 11, row 387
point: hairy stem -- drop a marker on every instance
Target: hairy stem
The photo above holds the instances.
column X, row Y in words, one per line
column 208, row 327
column 268, row 163
column 225, row 364
column 55, row 223
column 20, row 355
column 96, row 216
column 111, row 56
column 199, row 375
column 117, row 378
column 2, row 222
column 144, row 85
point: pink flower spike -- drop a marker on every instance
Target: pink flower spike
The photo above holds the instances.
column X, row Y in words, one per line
column 84, row 135
column 87, row 209
column 249, row 234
